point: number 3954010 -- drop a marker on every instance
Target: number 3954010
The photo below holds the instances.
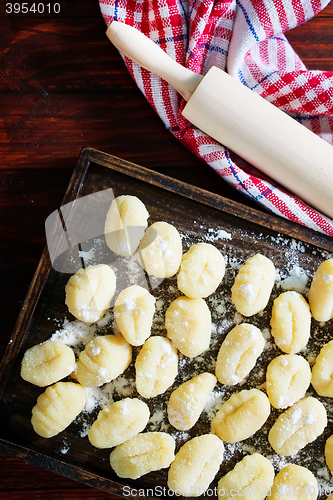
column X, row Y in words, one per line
column 32, row 8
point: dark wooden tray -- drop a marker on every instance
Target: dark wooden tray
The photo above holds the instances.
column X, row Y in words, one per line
column 238, row 232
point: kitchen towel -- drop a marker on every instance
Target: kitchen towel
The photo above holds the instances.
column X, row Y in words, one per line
column 245, row 38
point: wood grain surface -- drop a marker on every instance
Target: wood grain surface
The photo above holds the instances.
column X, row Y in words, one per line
column 64, row 87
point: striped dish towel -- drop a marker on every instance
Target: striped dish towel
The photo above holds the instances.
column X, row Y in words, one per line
column 244, row 37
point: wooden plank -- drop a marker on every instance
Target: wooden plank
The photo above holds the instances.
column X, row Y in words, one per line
column 20, row 477
column 23, row 476
column 41, row 130
column 64, row 494
column 313, row 40
column 43, row 63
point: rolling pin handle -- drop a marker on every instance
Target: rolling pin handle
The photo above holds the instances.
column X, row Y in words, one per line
column 140, row 49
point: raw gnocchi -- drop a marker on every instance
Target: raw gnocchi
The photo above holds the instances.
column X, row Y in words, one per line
column 320, row 295
column 201, row 271
column 294, row 482
column 241, row 416
column 287, row 379
column 188, row 400
column 118, row 422
column 301, row 424
column 125, row 224
column 322, row 371
column 156, row 366
column 47, row 363
column 253, row 285
column 188, row 324
column 160, row 250
column 57, row 407
column 290, row 322
column 251, row 478
column 143, row 453
column 239, row 353
column 134, row 310
column 328, row 452
column 89, row 292
column 195, row 466
column 103, row 359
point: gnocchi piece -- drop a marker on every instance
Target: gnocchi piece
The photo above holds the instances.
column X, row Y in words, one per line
column 201, row 271
column 119, row 422
column 290, row 322
column 251, row 478
column 320, row 295
column 294, row 482
column 143, row 453
column 188, row 400
column 103, row 359
column 195, row 466
column 239, row 353
column 134, row 310
column 287, row 380
column 253, row 285
column 47, row 363
column 57, row 407
column 156, row 366
column 89, row 292
column 160, row 250
column 301, row 424
column 241, row 416
column 322, row 371
column 189, row 325
column 125, row 224
column 329, row 453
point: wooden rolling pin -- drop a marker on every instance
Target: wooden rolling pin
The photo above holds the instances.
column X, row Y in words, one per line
column 244, row 122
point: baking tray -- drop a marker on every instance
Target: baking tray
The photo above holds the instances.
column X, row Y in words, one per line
column 238, row 232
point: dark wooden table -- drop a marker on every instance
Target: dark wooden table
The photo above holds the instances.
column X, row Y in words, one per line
column 63, row 87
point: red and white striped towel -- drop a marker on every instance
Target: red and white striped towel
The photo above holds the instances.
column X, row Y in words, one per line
column 244, row 37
